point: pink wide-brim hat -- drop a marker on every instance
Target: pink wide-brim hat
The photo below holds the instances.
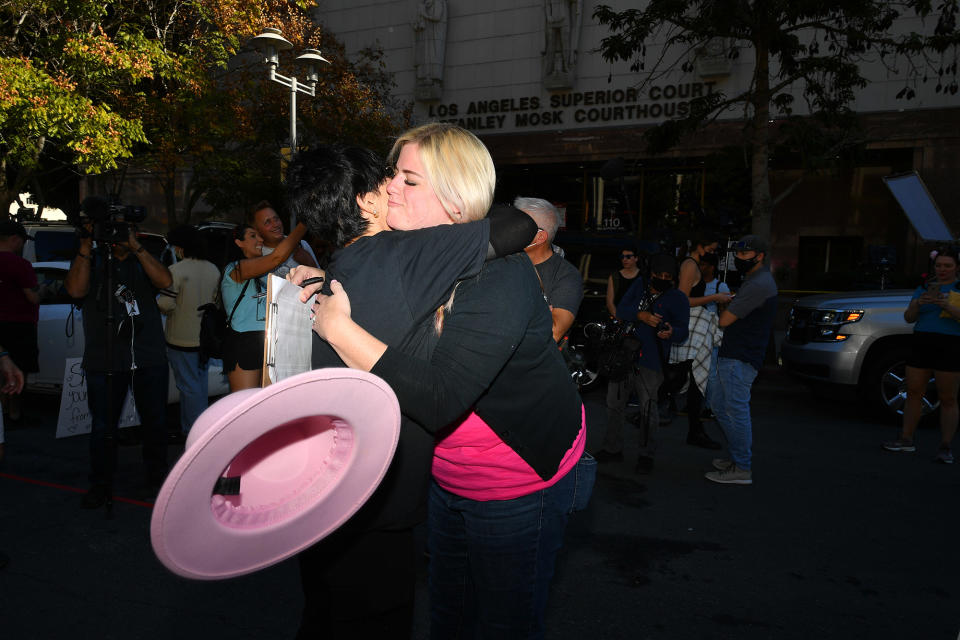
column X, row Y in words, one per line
column 269, row 472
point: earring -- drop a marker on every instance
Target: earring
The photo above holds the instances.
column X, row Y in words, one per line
column 376, row 214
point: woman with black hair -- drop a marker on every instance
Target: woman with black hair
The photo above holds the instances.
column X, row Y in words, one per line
column 360, row 581
column 246, row 305
column 195, row 282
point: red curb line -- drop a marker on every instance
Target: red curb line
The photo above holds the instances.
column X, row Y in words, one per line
column 63, row 487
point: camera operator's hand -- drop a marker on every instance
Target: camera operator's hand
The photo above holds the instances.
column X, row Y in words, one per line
column 650, row 319
column 664, row 334
column 131, row 244
column 12, row 376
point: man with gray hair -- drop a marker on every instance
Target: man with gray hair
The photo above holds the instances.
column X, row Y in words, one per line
column 560, row 280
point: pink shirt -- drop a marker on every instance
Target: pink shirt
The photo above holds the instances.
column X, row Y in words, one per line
column 473, row 462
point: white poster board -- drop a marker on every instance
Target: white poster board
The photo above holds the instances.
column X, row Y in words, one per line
column 74, row 418
column 915, row 200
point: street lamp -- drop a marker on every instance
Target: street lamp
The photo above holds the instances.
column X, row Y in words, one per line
column 271, row 43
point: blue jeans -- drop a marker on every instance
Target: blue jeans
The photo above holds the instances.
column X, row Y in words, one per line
column 491, row 562
column 150, row 395
column 729, row 392
column 191, row 380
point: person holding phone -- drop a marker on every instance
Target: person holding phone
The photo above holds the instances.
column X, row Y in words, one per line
column 935, row 310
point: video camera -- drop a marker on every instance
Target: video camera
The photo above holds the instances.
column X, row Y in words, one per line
column 111, row 220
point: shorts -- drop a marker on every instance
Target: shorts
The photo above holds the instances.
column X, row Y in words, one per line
column 934, row 351
column 243, row 348
column 20, row 339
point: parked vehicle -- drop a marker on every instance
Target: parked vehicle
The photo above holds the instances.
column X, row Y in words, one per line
column 219, row 237
column 57, row 241
column 60, row 336
column 857, row 338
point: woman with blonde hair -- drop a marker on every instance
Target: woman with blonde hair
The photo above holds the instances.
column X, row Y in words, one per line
column 490, row 383
column 360, row 581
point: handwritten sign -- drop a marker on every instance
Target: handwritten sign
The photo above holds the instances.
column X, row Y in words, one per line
column 74, row 418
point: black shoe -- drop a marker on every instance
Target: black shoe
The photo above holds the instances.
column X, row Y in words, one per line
column 96, row 496
column 608, row 456
column 644, row 465
column 701, row 439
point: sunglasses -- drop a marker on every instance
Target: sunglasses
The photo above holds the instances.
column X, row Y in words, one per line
column 627, row 256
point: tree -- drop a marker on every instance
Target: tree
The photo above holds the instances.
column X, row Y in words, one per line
column 59, row 75
column 818, row 46
column 98, row 86
column 230, row 141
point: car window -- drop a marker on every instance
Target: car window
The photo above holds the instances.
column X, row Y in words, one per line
column 54, row 245
column 155, row 244
column 50, row 283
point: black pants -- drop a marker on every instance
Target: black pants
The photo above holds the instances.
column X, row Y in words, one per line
column 358, row 585
column 149, row 386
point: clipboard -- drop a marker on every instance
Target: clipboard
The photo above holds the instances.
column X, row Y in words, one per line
column 288, row 332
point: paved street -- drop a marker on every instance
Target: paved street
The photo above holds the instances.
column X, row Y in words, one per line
column 837, row 539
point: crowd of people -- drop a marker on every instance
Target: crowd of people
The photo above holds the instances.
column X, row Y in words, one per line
column 462, row 307
column 694, row 335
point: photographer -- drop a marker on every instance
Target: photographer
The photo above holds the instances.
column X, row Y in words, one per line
column 663, row 312
column 139, row 357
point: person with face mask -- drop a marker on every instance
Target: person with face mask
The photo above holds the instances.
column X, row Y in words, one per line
column 660, row 312
column 747, row 323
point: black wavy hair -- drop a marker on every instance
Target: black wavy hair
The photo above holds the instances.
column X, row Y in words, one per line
column 322, row 188
column 234, row 252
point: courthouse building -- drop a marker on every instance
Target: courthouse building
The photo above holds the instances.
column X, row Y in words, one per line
column 526, row 77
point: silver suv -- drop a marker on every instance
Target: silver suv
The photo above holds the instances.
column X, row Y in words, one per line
column 857, row 338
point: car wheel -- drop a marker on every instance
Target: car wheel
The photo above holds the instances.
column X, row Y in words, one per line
column 884, row 388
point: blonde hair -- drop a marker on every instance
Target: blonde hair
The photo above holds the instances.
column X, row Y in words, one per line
column 458, row 166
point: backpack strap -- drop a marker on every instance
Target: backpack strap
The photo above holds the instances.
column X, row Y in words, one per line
column 239, row 298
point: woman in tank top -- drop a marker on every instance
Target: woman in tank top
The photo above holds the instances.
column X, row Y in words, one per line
column 620, row 280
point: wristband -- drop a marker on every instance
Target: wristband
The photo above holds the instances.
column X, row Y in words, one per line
column 139, row 249
column 85, row 255
column 4, row 353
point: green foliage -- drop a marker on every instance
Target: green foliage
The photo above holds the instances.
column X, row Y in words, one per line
column 100, row 84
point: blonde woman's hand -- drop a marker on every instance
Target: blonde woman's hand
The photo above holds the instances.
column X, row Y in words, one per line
column 330, row 311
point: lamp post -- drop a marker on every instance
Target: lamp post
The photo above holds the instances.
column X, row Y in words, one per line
column 271, row 43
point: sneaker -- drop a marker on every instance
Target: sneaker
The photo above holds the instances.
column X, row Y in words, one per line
column 900, row 444
column 722, row 464
column 731, row 475
column 944, row 456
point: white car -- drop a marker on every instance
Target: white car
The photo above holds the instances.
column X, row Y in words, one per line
column 60, row 336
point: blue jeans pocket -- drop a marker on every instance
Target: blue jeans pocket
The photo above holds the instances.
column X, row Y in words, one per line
column 586, row 471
